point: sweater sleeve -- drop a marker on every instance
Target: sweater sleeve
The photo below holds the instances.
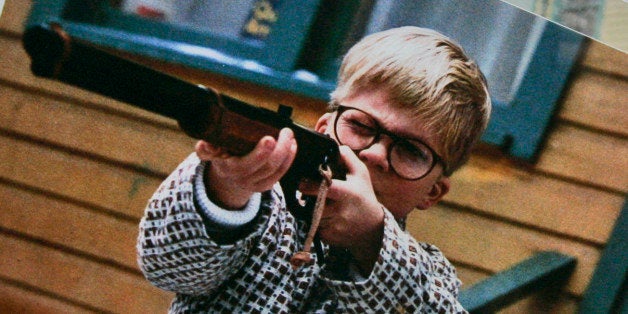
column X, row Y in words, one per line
column 408, row 276
column 175, row 250
column 219, row 219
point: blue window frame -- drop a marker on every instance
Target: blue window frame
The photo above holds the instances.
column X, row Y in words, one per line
column 269, row 59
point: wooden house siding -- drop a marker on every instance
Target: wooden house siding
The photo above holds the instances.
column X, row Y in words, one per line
column 76, row 170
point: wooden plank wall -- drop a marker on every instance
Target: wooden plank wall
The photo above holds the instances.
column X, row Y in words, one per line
column 76, row 170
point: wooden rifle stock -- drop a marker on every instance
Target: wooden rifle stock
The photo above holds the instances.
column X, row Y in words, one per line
column 202, row 113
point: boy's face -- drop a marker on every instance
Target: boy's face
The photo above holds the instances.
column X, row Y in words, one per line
column 398, row 195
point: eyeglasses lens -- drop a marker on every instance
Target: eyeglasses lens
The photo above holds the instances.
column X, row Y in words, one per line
column 410, row 159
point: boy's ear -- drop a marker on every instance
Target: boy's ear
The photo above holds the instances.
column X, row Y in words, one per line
column 324, row 122
column 438, row 190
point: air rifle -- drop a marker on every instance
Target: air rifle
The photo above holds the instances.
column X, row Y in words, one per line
column 201, row 113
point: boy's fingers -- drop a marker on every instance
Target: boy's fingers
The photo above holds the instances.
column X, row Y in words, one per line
column 262, row 167
column 338, row 190
column 206, row 151
column 271, row 153
column 279, row 161
column 350, row 160
column 253, row 163
column 282, row 150
column 261, row 151
column 268, row 179
column 292, row 153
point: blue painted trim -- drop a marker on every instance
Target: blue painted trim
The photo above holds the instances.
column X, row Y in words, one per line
column 294, row 22
column 46, row 10
column 521, row 124
column 161, row 41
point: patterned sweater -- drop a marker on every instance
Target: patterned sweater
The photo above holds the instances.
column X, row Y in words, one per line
column 245, row 267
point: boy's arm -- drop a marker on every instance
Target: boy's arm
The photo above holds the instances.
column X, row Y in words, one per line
column 179, row 243
column 176, row 249
column 408, row 276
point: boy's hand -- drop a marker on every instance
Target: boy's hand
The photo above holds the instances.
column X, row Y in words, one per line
column 353, row 217
column 232, row 180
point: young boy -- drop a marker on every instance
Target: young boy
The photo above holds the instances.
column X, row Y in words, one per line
column 408, row 107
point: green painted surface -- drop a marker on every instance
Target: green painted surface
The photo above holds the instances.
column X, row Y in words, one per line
column 541, row 271
column 607, row 290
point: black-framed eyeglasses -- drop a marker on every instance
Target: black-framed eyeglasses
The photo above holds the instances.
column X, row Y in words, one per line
column 409, row 158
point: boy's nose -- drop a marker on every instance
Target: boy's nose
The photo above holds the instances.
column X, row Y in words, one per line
column 376, row 154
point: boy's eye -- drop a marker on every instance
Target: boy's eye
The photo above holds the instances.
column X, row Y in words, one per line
column 362, row 127
column 412, row 151
column 359, row 126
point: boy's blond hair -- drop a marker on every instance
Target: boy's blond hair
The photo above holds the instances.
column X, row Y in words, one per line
column 427, row 71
